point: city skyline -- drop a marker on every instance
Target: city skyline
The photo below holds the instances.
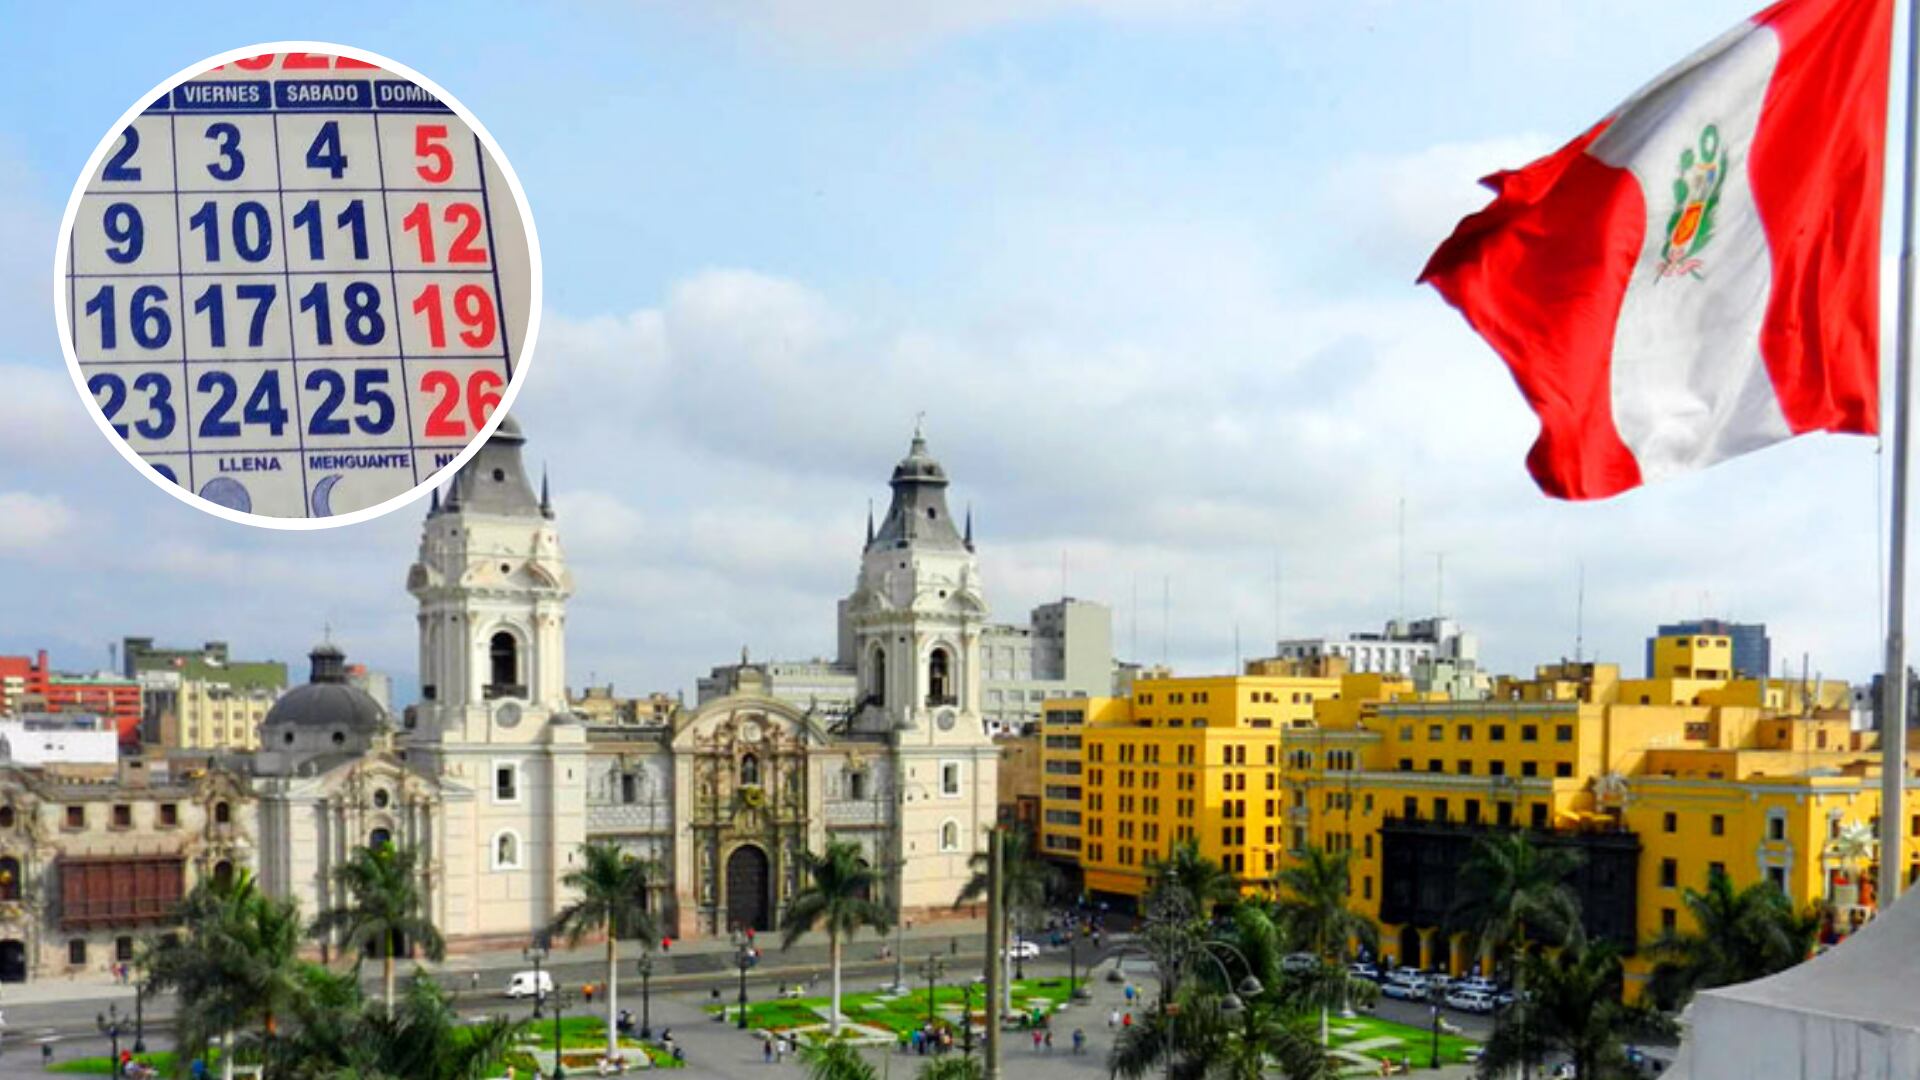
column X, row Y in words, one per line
column 1035, row 226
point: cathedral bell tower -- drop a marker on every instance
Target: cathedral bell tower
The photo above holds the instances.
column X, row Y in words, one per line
column 913, row 625
column 493, row 724
column 492, row 586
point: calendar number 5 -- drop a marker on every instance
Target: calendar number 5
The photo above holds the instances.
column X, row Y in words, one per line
column 430, row 146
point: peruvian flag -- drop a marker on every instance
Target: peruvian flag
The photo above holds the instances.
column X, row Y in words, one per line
column 1697, row 276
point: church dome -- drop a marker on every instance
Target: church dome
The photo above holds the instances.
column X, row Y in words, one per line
column 327, row 701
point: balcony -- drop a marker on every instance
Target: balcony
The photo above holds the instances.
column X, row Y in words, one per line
column 503, row 690
column 935, row 701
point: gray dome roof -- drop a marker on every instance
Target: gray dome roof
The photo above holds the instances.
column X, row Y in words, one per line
column 327, row 701
column 335, row 706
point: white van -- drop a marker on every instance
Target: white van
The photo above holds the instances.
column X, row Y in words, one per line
column 530, row 984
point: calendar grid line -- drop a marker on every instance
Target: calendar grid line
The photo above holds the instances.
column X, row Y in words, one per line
column 499, row 297
column 293, row 339
column 179, row 265
column 399, row 343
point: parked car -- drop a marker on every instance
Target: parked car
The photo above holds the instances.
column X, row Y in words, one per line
column 1403, row 990
column 1363, row 970
column 1025, row 950
column 1408, row 974
column 1299, row 963
column 1479, row 985
column 530, row 984
column 1440, row 980
column 1470, row 1001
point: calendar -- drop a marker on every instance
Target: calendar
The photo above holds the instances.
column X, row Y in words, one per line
column 298, row 285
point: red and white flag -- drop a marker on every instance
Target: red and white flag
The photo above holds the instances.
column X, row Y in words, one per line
column 1698, row 275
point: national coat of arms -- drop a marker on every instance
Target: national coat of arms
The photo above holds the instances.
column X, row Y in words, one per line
column 1696, row 194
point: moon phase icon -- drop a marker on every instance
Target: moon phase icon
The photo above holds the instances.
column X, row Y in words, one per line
column 228, row 492
column 323, row 495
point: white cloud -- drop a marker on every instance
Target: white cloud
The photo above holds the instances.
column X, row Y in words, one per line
column 887, row 31
column 32, row 523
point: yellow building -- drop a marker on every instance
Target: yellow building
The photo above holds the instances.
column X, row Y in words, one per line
column 1655, row 782
column 1181, row 758
column 220, row 716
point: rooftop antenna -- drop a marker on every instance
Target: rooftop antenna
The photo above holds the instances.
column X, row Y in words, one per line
column 1166, row 615
column 1580, row 617
column 1276, row 599
column 1134, row 630
column 1401, row 610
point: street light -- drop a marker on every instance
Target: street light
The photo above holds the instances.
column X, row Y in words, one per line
column 744, row 957
column 1433, row 1003
column 536, row 954
column 140, row 1016
column 559, row 1007
column 932, row 969
column 109, row 1024
column 646, row 995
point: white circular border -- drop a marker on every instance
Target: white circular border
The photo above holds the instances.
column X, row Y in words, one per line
column 265, row 521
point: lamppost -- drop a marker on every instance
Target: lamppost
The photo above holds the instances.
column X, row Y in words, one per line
column 1230, row 1005
column 1433, row 1004
column 932, row 969
column 646, row 995
column 744, row 957
column 536, row 954
column 966, row 1019
column 140, row 1016
column 109, row 1024
column 559, row 1007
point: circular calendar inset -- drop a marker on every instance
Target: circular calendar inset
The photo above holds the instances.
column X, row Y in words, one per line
column 297, row 285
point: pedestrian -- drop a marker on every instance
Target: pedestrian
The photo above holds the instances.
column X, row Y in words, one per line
column 1036, row 1040
column 1126, row 1021
column 1049, row 1040
column 46, row 1057
column 1079, row 1041
column 666, row 944
column 1129, row 993
column 766, row 1051
column 587, row 990
column 679, row 1054
column 1113, row 1019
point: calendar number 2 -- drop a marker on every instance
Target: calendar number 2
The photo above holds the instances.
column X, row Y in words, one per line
column 483, row 393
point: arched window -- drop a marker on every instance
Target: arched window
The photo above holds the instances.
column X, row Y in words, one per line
column 379, row 838
column 222, row 814
column 503, row 653
column 223, row 873
column 950, row 836
column 749, row 769
column 506, row 850
column 9, row 878
column 940, row 677
column 877, row 676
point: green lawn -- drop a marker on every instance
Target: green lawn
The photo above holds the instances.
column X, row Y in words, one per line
column 1415, row 1043
column 103, row 1066
column 586, row 1034
column 897, row 1014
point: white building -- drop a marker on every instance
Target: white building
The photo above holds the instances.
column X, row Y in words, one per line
column 1398, row 650
column 41, row 738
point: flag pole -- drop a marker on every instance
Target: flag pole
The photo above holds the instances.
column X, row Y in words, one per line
column 1893, row 713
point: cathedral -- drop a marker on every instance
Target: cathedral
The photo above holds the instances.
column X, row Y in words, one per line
column 498, row 783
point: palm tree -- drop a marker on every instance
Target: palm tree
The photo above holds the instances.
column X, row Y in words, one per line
column 1200, row 1039
column 236, row 963
column 837, row 893
column 1741, row 936
column 424, row 1040
column 1512, row 893
column 384, row 909
column 836, row 1059
column 612, row 887
column 1026, row 880
column 1313, row 906
column 1191, row 875
column 953, row 1067
column 1572, row 1007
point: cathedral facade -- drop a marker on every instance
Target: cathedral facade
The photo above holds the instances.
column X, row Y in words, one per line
column 498, row 783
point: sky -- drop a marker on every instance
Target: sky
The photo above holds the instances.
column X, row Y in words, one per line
column 1147, row 267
